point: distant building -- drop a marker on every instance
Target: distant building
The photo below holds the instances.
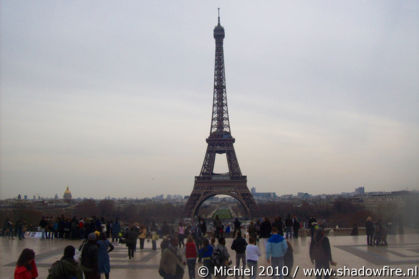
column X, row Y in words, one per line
column 263, row 196
column 302, row 195
column 287, row 197
column 360, row 191
column 67, row 194
column 158, row 198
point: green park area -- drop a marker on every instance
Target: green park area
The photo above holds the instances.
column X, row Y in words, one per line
column 223, row 213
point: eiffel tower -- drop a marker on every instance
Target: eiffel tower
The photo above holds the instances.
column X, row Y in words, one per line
column 220, row 141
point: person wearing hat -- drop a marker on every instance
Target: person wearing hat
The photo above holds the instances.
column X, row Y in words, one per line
column 89, row 258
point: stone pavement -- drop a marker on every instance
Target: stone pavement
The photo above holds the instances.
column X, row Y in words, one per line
column 350, row 251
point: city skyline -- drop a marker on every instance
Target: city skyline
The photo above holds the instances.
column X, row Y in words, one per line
column 359, row 191
column 116, row 100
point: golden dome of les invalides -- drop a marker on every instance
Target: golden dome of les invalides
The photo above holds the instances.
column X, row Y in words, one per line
column 67, row 194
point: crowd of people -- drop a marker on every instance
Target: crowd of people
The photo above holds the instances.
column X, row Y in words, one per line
column 209, row 248
column 205, row 244
column 61, row 227
column 93, row 262
column 376, row 232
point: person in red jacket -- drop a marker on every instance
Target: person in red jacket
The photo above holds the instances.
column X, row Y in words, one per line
column 191, row 254
column 25, row 266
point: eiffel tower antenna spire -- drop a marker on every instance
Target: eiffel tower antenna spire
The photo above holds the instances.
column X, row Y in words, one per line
column 218, row 16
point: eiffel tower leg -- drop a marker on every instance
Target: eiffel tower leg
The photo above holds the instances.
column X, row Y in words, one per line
column 209, row 161
column 191, row 205
column 233, row 164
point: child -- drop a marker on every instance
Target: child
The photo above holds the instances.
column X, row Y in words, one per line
column 252, row 256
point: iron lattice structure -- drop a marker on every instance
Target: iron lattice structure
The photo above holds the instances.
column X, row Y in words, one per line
column 220, row 141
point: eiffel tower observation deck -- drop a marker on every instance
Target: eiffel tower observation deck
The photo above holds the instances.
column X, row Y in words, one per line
column 220, row 141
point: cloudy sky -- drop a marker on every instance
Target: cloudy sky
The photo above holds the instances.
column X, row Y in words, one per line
column 114, row 97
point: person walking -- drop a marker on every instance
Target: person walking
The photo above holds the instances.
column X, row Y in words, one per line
column 131, row 241
column 10, row 231
column 222, row 257
column 279, row 225
column 103, row 255
column 265, row 230
column 289, row 258
column 171, row 265
column 369, row 228
column 218, row 225
column 205, row 256
column 26, row 266
column 142, row 236
column 320, row 252
column 19, row 229
column 295, row 226
column 276, row 248
column 89, row 258
column 66, row 267
column 202, row 226
column 154, row 238
column 288, row 227
column 116, row 229
column 252, row 257
column 237, row 227
column 252, row 230
column 43, row 225
column 312, row 224
column 181, row 235
column 191, row 255
column 239, row 245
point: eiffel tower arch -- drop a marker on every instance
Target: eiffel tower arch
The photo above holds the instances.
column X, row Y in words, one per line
column 220, row 141
column 206, row 189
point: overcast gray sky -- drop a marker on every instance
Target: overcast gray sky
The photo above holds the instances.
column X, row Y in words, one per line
column 114, row 97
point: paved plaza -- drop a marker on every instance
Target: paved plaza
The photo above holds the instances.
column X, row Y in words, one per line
column 350, row 251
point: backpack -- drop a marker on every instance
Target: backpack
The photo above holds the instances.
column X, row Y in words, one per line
column 218, row 258
column 57, row 271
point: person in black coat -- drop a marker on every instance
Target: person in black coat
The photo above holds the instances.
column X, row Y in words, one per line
column 288, row 226
column 239, row 245
column 131, row 241
column 320, row 252
column 279, row 225
column 237, row 226
column 265, row 229
column 369, row 229
column 202, row 226
column 296, row 226
column 89, row 258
